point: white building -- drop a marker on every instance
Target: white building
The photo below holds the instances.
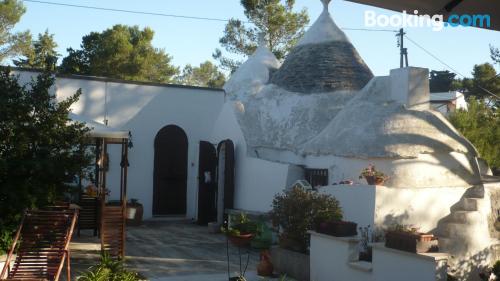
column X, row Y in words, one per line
column 320, row 115
column 447, row 102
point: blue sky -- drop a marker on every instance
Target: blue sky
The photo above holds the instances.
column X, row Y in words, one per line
column 193, row 41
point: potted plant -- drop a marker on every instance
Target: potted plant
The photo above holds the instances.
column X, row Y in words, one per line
column 294, row 213
column 135, row 212
column 338, row 228
column 408, row 239
column 372, row 176
column 241, row 230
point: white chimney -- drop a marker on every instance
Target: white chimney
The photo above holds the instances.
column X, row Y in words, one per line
column 410, row 86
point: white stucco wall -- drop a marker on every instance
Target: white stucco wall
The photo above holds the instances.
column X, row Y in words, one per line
column 256, row 180
column 336, row 259
column 426, row 170
column 144, row 109
column 383, row 206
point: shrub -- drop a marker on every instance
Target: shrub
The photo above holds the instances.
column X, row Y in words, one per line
column 480, row 124
column 297, row 210
column 109, row 269
column 39, row 151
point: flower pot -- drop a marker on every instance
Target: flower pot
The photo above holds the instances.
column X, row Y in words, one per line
column 338, row 228
column 373, row 180
column 265, row 267
column 241, row 240
column 135, row 212
column 414, row 242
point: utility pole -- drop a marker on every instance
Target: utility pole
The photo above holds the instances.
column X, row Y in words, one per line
column 403, row 52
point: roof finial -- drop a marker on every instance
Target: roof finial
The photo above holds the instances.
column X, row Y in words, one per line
column 325, row 4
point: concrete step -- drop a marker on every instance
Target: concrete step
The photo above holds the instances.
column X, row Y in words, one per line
column 474, row 192
column 451, row 245
column 465, row 216
column 466, row 204
column 454, row 230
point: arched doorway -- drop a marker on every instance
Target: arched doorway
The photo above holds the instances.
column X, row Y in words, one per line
column 170, row 171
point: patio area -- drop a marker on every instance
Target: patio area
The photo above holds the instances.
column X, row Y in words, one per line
column 169, row 250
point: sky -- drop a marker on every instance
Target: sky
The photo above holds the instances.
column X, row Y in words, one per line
column 191, row 41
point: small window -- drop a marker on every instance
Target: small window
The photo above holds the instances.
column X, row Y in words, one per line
column 317, row 177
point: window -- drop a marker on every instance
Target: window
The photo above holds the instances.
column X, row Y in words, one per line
column 317, row 177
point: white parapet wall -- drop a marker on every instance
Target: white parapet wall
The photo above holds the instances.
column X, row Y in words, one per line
column 336, row 259
column 382, row 206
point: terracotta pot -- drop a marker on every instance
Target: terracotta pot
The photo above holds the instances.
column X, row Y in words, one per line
column 265, row 267
column 414, row 242
column 241, row 240
column 372, row 180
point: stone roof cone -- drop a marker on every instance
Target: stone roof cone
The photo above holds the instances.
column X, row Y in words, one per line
column 324, row 60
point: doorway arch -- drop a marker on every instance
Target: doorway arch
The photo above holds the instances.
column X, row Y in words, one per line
column 170, row 171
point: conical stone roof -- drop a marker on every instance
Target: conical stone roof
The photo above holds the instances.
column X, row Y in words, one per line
column 323, row 61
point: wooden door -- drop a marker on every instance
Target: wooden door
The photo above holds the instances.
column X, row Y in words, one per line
column 225, row 151
column 170, row 171
column 207, row 185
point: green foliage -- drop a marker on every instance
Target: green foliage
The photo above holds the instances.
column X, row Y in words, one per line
column 483, row 84
column 108, row 269
column 240, row 224
column 205, row 75
column 12, row 44
column 441, row 81
column 276, row 19
column 39, row 153
column 480, row 124
column 495, row 54
column 297, row 210
column 42, row 54
column 122, row 52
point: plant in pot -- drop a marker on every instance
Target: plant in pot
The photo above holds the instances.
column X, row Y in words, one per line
column 135, row 211
column 373, row 176
column 297, row 210
column 338, row 228
column 241, row 230
column 406, row 238
column 294, row 213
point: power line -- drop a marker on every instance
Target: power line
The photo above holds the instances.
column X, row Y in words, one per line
column 434, row 56
column 449, row 67
column 126, row 11
column 170, row 15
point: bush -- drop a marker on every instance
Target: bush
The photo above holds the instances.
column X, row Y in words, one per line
column 480, row 124
column 296, row 211
column 39, row 152
column 109, row 269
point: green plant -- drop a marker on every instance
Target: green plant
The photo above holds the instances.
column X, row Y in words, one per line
column 109, row 269
column 370, row 171
column 480, row 124
column 297, row 210
column 41, row 152
column 402, row 228
column 240, row 224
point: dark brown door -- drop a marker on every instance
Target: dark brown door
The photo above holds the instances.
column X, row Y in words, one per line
column 227, row 147
column 207, row 184
column 170, row 171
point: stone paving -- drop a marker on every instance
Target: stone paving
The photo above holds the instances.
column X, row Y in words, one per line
column 169, row 251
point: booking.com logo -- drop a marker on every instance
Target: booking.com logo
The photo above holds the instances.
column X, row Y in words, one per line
column 372, row 19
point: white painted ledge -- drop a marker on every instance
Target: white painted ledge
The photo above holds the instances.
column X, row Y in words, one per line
column 349, row 239
column 426, row 256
